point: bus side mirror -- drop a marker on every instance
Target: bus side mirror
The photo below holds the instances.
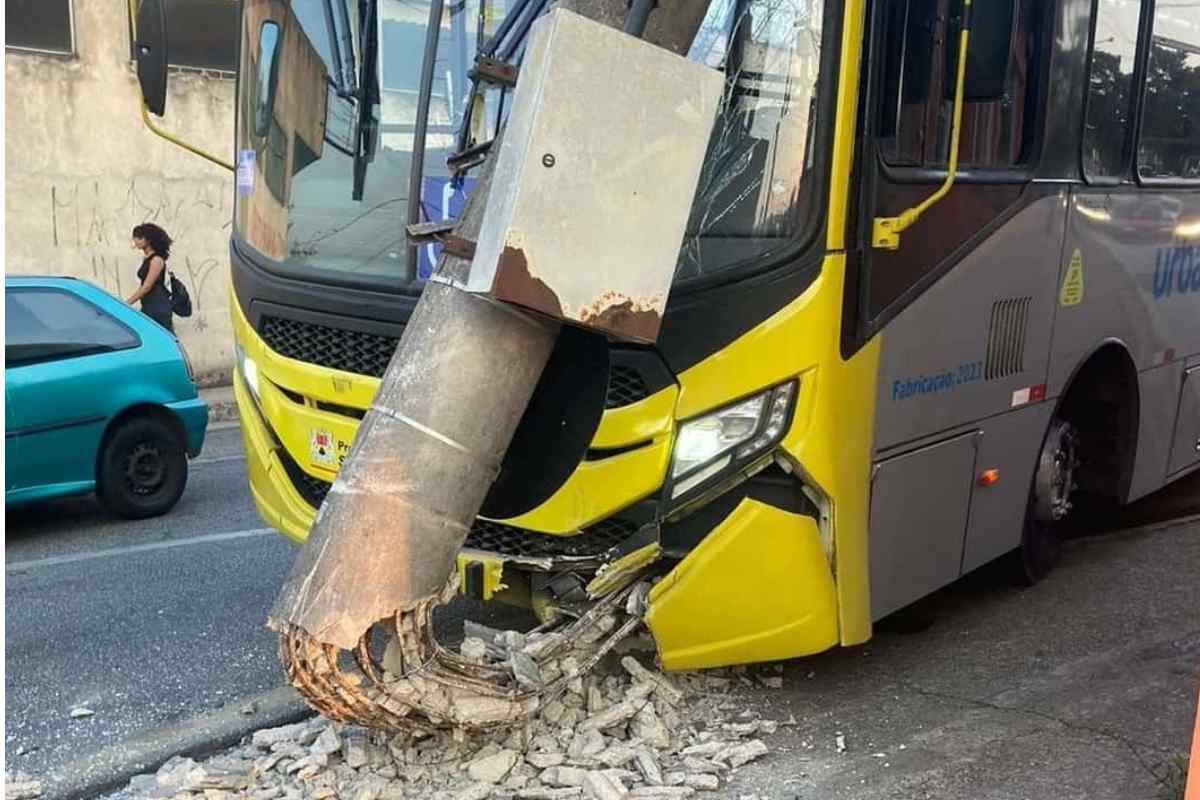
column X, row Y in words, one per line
column 268, row 77
column 988, row 57
column 150, row 50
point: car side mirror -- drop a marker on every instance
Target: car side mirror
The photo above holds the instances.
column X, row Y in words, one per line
column 989, row 53
column 150, row 50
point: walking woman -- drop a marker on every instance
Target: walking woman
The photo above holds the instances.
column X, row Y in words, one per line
column 155, row 245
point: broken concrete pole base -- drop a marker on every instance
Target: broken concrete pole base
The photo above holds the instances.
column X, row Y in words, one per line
column 381, row 553
column 386, row 537
column 543, row 760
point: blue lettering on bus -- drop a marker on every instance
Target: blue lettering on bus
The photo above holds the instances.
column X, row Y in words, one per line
column 937, row 383
column 1176, row 271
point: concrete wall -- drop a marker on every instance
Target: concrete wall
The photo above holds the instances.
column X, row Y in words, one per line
column 82, row 170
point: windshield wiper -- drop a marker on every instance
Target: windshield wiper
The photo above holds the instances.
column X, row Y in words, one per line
column 364, row 124
column 341, row 45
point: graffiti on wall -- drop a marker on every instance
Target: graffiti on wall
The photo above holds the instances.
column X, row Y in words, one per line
column 94, row 217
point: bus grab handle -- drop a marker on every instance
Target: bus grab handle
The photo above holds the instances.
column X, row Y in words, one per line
column 885, row 232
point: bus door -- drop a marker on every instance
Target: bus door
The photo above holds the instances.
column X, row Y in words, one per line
column 963, row 304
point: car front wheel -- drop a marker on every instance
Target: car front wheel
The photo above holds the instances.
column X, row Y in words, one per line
column 143, row 469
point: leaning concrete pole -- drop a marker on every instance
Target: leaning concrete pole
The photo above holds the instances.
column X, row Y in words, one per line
column 382, row 551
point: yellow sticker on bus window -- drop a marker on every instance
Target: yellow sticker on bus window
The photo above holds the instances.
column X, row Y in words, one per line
column 1072, row 288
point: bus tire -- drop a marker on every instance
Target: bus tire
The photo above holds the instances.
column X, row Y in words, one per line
column 1048, row 505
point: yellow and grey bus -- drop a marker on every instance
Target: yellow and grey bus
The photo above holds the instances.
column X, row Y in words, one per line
column 920, row 313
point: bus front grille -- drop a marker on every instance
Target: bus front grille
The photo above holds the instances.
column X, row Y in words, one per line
column 336, row 348
column 496, row 537
column 369, row 354
column 312, row 489
column 625, row 387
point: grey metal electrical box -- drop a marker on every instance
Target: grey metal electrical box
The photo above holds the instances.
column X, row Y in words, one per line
column 595, row 177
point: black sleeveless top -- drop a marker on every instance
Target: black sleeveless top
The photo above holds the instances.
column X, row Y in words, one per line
column 157, row 302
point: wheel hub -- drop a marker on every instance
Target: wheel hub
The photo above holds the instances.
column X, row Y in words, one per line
column 145, row 469
column 1055, row 478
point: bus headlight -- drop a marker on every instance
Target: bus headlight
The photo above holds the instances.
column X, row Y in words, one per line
column 249, row 371
column 728, row 438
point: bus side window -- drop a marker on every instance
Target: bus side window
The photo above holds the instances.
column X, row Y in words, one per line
column 913, row 111
column 1169, row 144
column 1110, row 89
column 917, row 99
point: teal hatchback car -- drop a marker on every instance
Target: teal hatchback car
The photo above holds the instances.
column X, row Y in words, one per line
column 98, row 397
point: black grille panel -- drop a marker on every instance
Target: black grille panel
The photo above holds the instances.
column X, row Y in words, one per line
column 352, row 351
column 313, row 490
column 494, row 537
column 625, row 387
column 369, row 354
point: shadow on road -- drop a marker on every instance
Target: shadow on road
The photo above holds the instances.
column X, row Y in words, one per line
column 1179, row 499
column 38, row 519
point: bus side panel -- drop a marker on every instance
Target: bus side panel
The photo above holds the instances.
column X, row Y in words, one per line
column 919, row 503
column 1158, row 391
column 1185, row 451
column 1131, row 273
column 979, row 336
column 1010, row 444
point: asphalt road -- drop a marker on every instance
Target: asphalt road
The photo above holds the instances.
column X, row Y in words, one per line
column 145, row 623
column 156, row 626
column 1083, row 686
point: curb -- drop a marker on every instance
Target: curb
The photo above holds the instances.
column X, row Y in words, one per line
column 111, row 768
column 222, row 407
column 223, row 411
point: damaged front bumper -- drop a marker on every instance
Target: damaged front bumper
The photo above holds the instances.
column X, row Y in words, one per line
column 744, row 578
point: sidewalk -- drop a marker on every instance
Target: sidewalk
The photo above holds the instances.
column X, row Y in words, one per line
column 221, row 405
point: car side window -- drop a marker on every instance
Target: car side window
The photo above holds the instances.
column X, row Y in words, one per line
column 50, row 324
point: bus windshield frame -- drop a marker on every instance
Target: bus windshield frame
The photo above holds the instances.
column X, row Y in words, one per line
column 346, row 91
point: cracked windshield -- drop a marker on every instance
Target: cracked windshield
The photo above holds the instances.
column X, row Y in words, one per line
column 329, row 112
column 326, row 126
column 752, row 197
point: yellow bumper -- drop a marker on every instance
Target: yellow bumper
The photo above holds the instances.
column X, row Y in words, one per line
column 758, row 588
column 282, row 507
column 278, row 502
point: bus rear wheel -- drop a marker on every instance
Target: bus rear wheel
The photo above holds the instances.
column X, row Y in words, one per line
column 1049, row 504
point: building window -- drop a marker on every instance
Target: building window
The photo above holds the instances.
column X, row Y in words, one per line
column 201, row 34
column 1169, row 146
column 1110, row 87
column 40, row 25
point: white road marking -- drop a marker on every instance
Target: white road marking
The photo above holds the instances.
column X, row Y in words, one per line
column 135, row 548
column 195, row 462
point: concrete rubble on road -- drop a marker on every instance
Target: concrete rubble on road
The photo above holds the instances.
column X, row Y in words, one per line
column 19, row 786
column 630, row 734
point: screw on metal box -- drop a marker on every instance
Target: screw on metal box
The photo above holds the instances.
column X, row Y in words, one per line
column 548, row 160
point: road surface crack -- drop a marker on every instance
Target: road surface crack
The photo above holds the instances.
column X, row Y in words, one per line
column 1100, row 732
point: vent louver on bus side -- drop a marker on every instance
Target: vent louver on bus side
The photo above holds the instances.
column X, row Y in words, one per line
column 1006, row 337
